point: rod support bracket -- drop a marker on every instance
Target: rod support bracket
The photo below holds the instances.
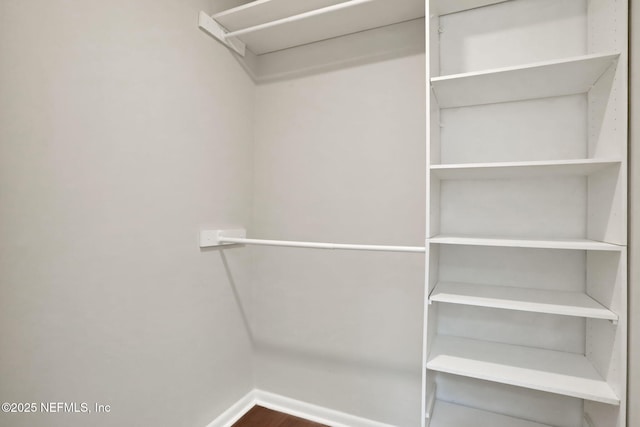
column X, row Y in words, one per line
column 211, row 238
column 217, row 31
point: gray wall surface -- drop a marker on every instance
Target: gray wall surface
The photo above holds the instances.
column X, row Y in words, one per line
column 340, row 157
column 123, row 132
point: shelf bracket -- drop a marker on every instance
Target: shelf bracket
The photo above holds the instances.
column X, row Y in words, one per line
column 211, row 27
column 213, row 238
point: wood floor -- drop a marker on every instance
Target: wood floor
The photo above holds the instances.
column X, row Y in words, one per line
column 263, row 417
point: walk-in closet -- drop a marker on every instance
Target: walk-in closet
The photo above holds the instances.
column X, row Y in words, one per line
column 344, row 213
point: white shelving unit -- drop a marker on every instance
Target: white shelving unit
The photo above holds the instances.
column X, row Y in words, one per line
column 526, row 213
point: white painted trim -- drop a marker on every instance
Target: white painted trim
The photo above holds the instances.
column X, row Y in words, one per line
column 235, row 411
column 312, row 412
column 293, row 407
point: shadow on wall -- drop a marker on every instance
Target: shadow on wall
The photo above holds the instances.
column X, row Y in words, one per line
column 242, row 310
column 351, row 376
column 377, row 45
column 333, row 362
column 236, row 296
column 374, row 389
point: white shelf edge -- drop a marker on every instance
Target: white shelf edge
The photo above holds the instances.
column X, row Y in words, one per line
column 544, row 370
column 543, row 79
column 240, row 8
column 567, row 162
column 521, row 169
column 445, row 7
column 542, row 64
column 298, row 17
column 257, row 4
column 448, row 414
column 571, row 244
column 575, row 304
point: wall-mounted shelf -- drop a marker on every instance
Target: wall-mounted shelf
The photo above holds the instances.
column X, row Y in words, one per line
column 270, row 25
column 521, row 299
column 557, row 372
column 262, row 11
column 447, row 414
column 575, row 244
column 521, row 170
column 538, row 80
column 444, row 7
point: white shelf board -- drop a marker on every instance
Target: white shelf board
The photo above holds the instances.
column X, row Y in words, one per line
column 287, row 32
column 262, row 11
column 538, row 80
column 521, row 299
column 444, row 7
column 550, row 371
column 576, row 244
column 521, row 170
column 447, row 414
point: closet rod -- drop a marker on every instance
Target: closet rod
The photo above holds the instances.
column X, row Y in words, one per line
column 298, row 17
column 209, row 238
column 317, row 245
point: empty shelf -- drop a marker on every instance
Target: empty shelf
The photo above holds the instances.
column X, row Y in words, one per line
column 270, row 25
column 522, row 299
column 451, row 415
column 510, row 170
column 539, row 80
column 577, row 244
column 557, row 372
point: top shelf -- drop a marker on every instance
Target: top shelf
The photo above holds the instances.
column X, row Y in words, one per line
column 271, row 25
column 539, row 80
column 445, row 7
column 263, row 11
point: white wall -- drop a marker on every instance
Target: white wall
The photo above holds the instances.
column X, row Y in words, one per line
column 634, row 238
column 123, row 131
column 339, row 157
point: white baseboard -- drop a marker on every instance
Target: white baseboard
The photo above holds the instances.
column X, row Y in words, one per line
column 235, row 411
column 293, row 407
